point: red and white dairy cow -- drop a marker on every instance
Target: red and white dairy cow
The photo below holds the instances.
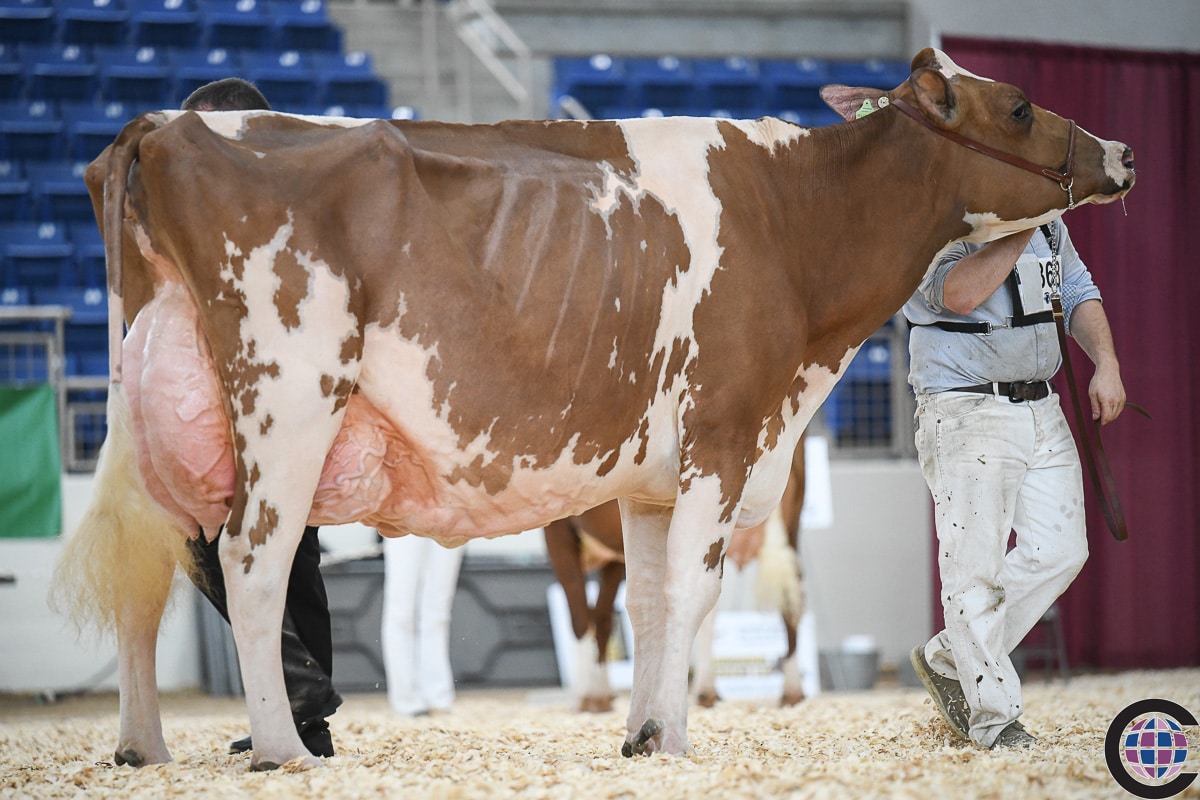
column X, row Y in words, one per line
column 592, row 542
column 458, row 331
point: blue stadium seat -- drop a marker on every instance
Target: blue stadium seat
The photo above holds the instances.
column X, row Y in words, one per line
column 92, row 127
column 134, row 75
column 26, row 21
column 287, row 78
column 664, row 82
column 89, row 253
column 14, row 296
column 91, row 22
column 875, row 73
column 597, row 82
column 304, row 25
column 732, row 84
column 31, row 131
column 195, row 67
column 235, row 24
column 37, row 254
column 86, row 330
column 793, row 84
column 59, row 192
column 163, row 23
column 12, row 76
column 16, row 199
column 59, row 72
column 348, row 79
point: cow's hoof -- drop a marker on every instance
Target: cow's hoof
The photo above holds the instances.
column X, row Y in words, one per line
column 133, row 757
column 128, row 757
column 297, row 764
column 640, row 744
column 791, row 699
column 707, row 699
column 596, row 705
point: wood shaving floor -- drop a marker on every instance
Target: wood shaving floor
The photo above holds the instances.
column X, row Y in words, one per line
column 885, row 743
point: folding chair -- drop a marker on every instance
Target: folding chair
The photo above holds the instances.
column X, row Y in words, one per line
column 59, row 192
column 28, row 21
column 31, row 130
column 89, row 253
column 163, row 23
column 875, row 73
column 597, row 82
column 731, row 84
column 304, row 25
column 793, row 84
column 37, row 254
column 91, row 22
column 12, row 76
column 664, row 83
column 59, row 72
column 285, row 78
column 134, row 75
column 348, row 79
column 16, row 199
column 241, row 24
column 193, row 68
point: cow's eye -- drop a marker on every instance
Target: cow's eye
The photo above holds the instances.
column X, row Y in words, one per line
column 1023, row 112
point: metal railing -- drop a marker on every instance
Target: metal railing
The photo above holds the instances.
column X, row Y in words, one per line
column 491, row 41
column 32, row 351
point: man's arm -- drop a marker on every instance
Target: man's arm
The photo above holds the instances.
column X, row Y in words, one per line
column 1089, row 327
column 974, row 278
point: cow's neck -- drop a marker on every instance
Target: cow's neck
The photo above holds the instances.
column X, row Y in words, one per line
column 884, row 213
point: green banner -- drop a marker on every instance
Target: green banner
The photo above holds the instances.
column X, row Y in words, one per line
column 31, row 464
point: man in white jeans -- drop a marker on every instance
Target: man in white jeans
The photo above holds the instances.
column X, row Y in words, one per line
column 998, row 457
column 419, row 579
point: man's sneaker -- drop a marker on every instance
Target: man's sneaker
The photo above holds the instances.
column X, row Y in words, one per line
column 1014, row 737
column 947, row 694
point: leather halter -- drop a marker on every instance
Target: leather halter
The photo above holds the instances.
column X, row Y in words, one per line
column 1065, row 179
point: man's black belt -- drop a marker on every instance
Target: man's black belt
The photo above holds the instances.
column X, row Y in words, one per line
column 1016, row 392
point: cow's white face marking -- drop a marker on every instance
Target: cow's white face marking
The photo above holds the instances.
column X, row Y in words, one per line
column 1114, row 153
column 949, row 69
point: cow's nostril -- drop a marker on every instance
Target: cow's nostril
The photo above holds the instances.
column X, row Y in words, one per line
column 1127, row 158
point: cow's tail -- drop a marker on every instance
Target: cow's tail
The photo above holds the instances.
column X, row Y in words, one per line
column 779, row 578
column 124, row 552
column 116, row 163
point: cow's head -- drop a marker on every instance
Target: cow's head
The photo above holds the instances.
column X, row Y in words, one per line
column 1038, row 160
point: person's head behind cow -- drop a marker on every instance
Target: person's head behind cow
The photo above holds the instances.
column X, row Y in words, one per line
column 227, row 94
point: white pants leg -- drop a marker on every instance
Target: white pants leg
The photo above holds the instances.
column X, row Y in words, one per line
column 994, row 466
column 418, row 591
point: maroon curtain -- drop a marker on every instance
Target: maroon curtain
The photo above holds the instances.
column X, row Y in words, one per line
column 1137, row 603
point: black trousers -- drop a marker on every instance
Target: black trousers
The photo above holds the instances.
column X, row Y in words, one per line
column 307, row 641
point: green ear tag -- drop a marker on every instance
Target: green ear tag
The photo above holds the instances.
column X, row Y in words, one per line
column 864, row 110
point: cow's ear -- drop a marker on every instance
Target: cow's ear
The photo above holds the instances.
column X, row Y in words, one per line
column 935, row 96
column 848, row 101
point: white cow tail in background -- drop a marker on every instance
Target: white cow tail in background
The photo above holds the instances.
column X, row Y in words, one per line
column 779, row 578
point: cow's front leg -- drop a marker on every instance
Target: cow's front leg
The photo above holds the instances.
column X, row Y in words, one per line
column 674, row 584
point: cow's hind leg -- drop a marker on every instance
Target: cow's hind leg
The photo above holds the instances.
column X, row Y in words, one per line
column 115, row 572
column 704, row 678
